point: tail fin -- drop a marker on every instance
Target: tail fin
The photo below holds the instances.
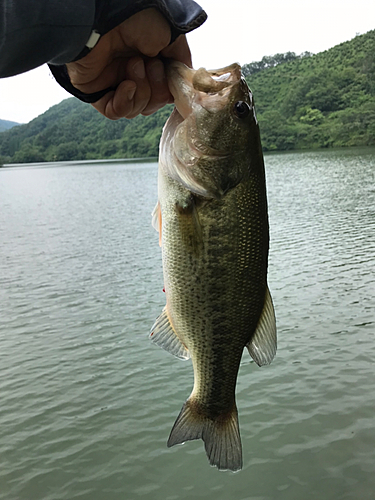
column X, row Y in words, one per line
column 221, row 436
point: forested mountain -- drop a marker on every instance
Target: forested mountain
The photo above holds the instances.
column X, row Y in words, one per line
column 306, row 101
column 321, row 101
column 73, row 130
column 6, row 125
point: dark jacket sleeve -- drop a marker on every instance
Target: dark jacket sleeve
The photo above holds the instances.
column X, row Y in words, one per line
column 33, row 32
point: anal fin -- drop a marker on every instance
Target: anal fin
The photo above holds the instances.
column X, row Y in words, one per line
column 163, row 335
column 263, row 344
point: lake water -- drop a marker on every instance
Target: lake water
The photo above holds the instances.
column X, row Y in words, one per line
column 87, row 402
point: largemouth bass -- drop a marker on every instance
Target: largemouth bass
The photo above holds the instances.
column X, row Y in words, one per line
column 213, row 228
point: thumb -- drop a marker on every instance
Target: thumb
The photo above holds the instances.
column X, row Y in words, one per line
column 179, row 50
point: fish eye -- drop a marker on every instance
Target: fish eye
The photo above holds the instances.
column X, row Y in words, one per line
column 241, row 109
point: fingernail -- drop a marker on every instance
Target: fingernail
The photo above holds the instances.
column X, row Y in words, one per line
column 139, row 69
column 156, row 71
column 131, row 93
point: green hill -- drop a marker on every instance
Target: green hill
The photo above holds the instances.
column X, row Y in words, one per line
column 6, row 125
column 73, row 130
column 307, row 101
column 319, row 101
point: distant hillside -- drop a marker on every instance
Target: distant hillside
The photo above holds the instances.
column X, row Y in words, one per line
column 73, row 130
column 307, row 101
column 6, row 125
column 319, row 101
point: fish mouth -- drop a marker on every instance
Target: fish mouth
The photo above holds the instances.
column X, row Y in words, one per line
column 207, row 88
column 197, row 144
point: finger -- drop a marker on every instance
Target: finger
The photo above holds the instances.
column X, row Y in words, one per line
column 124, row 102
column 136, row 71
column 112, row 74
column 160, row 94
column 179, row 50
column 117, row 104
column 148, row 32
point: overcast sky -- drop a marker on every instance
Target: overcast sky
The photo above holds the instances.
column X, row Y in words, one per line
column 236, row 31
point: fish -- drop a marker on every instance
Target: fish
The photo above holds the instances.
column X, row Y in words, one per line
column 212, row 220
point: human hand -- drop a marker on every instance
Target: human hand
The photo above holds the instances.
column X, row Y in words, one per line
column 128, row 57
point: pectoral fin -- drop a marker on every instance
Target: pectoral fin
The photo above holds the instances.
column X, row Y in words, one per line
column 157, row 220
column 163, row 335
column 190, row 226
column 263, row 344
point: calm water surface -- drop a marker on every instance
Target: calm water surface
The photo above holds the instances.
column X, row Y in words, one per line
column 87, row 403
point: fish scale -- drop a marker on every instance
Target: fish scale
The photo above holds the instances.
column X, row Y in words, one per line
column 213, row 223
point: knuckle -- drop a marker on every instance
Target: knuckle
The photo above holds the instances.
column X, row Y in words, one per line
column 152, row 46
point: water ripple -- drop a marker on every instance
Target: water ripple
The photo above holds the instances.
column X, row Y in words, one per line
column 87, row 403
